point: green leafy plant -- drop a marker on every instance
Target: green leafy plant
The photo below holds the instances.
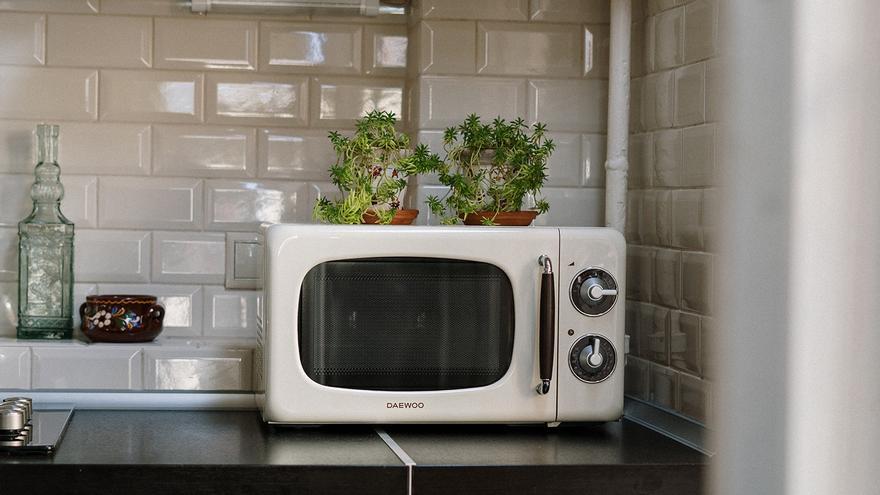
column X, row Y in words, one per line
column 371, row 170
column 492, row 168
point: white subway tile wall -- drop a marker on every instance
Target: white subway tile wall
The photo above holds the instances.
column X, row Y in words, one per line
column 684, row 347
column 176, row 129
column 8, row 307
column 517, row 49
column 658, row 95
column 447, row 47
column 597, row 50
column 230, row 313
column 48, row 93
column 690, row 95
column 151, row 203
column 117, row 149
column 165, row 364
column 550, row 102
column 669, row 38
column 112, row 256
column 311, row 47
column 187, row 369
column 446, row 101
column 573, row 206
column 301, row 154
column 202, row 44
column 517, row 59
column 586, row 11
column 189, row 257
column 15, row 367
column 8, row 254
column 151, row 96
column 94, row 41
column 695, row 397
column 664, row 386
column 17, row 145
column 55, row 6
column 80, row 201
column 700, row 30
column 513, row 10
column 385, row 50
column 256, row 99
column 243, row 205
column 672, row 181
column 338, row 102
column 204, row 151
column 565, row 167
column 22, row 39
column 698, row 155
column 667, row 157
column 15, row 193
column 112, row 367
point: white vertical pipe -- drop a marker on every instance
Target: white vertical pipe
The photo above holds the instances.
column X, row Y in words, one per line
column 617, row 162
column 834, row 347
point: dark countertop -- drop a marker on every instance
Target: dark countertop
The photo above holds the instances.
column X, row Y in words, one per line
column 190, row 452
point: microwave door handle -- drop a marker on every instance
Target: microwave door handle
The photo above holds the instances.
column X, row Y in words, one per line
column 546, row 322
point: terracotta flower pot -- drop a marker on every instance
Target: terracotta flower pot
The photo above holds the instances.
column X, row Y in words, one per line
column 401, row 217
column 507, row 218
column 113, row 318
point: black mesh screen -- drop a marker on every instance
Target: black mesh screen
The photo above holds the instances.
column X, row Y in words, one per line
column 406, row 324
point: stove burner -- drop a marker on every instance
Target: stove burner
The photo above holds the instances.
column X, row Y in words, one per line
column 25, row 430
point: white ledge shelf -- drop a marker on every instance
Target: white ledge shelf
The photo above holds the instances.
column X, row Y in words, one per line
column 164, row 365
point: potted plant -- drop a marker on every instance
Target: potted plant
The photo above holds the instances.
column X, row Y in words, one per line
column 494, row 172
column 371, row 172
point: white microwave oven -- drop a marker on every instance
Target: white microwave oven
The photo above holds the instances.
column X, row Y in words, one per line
column 400, row 324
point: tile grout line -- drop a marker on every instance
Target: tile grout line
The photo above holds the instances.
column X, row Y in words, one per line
column 401, row 454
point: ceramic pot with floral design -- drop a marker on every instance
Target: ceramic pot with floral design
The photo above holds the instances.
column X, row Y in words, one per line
column 121, row 318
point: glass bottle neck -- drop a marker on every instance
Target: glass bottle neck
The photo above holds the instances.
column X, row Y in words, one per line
column 47, row 144
column 47, row 190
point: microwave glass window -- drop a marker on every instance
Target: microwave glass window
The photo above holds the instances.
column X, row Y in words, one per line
column 406, row 324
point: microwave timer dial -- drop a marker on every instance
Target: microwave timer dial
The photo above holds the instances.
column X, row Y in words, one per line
column 592, row 359
column 593, row 292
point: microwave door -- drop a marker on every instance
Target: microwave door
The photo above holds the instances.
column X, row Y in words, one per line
column 411, row 324
column 406, row 324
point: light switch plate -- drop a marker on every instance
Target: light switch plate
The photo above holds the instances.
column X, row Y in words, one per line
column 244, row 260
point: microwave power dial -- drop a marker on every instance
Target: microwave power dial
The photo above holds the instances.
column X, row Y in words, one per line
column 593, row 292
column 592, row 359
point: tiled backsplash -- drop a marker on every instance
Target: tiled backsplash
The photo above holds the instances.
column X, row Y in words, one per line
column 125, row 367
column 670, row 225
column 177, row 128
column 518, row 59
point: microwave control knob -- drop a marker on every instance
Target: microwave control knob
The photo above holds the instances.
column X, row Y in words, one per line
column 592, row 359
column 596, row 292
column 591, row 355
column 593, row 292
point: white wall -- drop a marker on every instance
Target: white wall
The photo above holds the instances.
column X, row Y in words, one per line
column 543, row 61
column 800, row 383
column 673, row 190
column 177, row 128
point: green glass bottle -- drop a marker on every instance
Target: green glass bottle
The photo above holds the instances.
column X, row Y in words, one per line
column 45, row 251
